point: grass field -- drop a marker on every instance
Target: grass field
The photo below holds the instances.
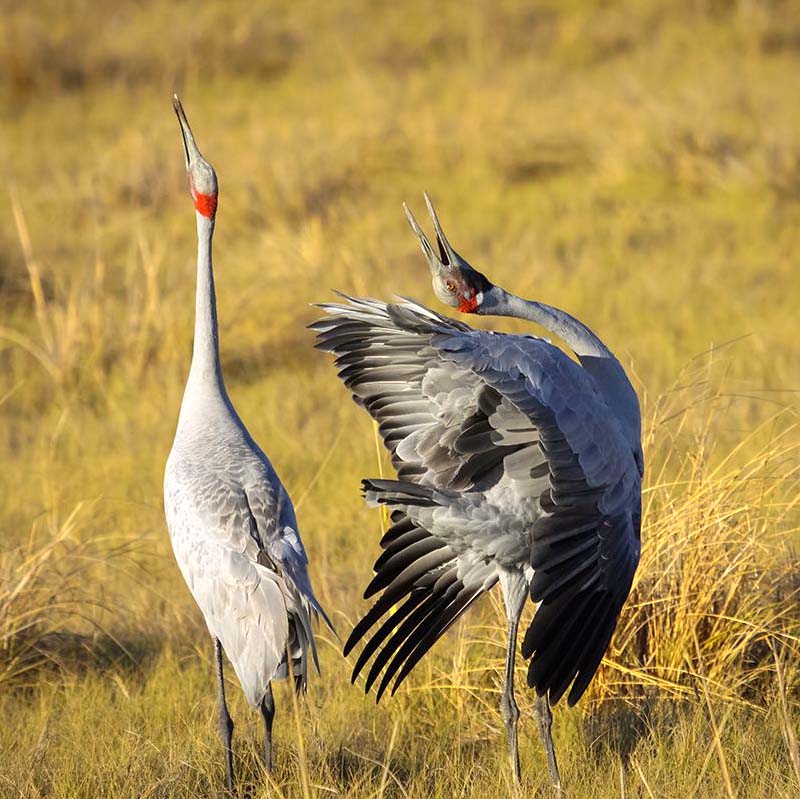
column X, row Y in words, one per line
column 637, row 164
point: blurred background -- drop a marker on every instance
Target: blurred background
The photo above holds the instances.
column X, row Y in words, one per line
column 635, row 163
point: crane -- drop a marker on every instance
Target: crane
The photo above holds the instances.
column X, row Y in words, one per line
column 231, row 522
column 515, row 464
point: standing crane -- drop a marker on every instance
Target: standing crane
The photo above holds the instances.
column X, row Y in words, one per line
column 515, row 464
column 231, row 522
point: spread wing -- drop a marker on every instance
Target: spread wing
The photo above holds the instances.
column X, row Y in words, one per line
column 443, row 425
column 516, row 420
column 586, row 541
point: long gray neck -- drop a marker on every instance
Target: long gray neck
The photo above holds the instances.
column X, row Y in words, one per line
column 595, row 357
column 206, row 371
column 582, row 341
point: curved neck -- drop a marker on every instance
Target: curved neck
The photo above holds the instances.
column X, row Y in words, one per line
column 595, row 357
column 582, row 341
column 206, row 367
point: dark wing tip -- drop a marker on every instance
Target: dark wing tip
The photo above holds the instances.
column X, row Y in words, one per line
column 567, row 644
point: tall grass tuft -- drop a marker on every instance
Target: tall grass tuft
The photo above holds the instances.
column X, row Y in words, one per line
column 50, row 608
column 717, row 586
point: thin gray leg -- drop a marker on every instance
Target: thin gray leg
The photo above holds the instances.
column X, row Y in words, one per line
column 225, row 721
column 544, row 719
column 268, row 714
column 515, row 592
column 508, row 705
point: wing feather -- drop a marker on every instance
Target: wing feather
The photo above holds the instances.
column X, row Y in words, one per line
column 466, row 411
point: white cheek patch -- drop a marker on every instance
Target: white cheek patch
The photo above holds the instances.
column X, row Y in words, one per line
column 479, row 298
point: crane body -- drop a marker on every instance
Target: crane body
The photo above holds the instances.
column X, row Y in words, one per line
column 231, row 522
column 515, row 464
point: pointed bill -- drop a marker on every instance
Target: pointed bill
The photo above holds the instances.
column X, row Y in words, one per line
column 447, row 254
column 425, row 245
column 436, row 264
column 189, row 146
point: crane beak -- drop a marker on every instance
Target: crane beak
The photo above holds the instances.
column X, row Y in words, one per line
column 447, row 255
column 191, row 152
column 440, row 264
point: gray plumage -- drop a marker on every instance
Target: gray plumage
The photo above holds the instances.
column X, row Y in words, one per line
column 235, row 539
column 515, row 464
column 231, row 522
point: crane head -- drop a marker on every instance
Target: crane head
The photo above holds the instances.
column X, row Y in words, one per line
column 455, row 282
column 202, row 178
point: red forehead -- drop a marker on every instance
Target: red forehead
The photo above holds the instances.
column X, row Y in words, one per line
column 206, row 204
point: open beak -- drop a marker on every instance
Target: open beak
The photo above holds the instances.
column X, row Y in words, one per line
column 447, row 259
column 189, row 147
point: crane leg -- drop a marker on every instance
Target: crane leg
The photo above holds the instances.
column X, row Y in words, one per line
column 508, row 705
column 225, row 720
column 268, row 714
column 544, row 719
column 515, row 592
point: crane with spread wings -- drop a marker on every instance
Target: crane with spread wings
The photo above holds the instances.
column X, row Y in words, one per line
column 515, row 464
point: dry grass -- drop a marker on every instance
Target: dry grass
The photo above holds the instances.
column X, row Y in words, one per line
column 636, row 163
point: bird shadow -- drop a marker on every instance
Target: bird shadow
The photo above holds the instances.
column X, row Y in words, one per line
column 77, row 654
column 351, row 767
column 618, row 728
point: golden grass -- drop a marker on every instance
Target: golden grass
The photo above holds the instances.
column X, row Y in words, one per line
column 635, row 163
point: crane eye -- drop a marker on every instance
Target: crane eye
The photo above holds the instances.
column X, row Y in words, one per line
column 450, row 286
